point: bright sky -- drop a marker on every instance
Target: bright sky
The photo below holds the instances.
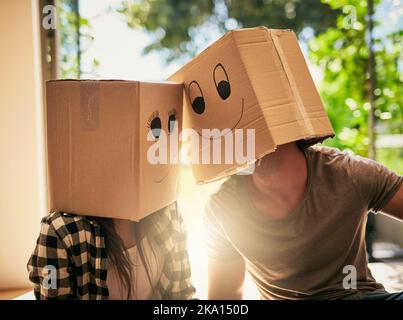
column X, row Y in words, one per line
column 119, row 48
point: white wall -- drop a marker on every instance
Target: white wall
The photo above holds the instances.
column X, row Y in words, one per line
column 22, row 197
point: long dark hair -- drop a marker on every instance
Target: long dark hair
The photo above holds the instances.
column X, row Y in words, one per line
column 118, row 255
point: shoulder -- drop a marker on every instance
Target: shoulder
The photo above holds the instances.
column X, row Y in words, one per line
column 327, row 153
column 332, row 159
column 227, row 198
column 229, row 188
column 63, row 218
column 69, row 221
column 345, row 160
column 65, row 226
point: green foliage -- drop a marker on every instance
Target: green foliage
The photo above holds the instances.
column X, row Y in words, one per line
column 74, row 40
column 69, row 64
column 391, row 158
column 181, row 27
column 339, row 47
column 171, row 22
column 291, row 14
column 342, row 53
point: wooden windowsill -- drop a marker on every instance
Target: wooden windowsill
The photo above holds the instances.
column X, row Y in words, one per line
column 9, row 294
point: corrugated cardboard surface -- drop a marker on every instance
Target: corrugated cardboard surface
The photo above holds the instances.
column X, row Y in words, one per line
column 271, row 91
column 97, row 147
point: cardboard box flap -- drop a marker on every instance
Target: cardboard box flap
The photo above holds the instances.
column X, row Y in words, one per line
column 310, row 104
column 275, row 97
column 282, row 83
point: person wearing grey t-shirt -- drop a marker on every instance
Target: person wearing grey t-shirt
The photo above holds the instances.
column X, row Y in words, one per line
column 297, row 225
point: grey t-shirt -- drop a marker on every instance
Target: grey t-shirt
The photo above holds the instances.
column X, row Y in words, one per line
column 303, row 255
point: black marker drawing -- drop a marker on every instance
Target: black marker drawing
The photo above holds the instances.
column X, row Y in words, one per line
column 223, row 87
column 155, row 127
column 197, row 103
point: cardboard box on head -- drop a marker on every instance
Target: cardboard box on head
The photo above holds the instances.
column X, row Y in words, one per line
column 97, row 146
column 257, row 79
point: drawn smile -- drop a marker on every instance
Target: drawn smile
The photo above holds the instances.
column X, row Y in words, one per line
column 163, row 178
column 222, row 135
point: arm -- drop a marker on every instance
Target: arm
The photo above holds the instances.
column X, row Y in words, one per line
column 394, row 207
column 226, row 267
column 225, row 279
column 378, row 187
column 49, row 267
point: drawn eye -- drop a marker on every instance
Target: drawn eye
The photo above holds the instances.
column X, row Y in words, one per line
column 171, row 121
column 221, row 81
column 155, row 126
column 196, row 97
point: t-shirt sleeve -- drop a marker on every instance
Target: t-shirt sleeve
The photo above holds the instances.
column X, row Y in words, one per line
column 218, row 244
column 375, row 183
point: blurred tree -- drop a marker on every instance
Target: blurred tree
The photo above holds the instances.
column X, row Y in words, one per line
column 343, row 55
column 283, row 14
column 182, row 27
column 339, row 46
column 74, row 39
column 69, row 38
column 361, row 85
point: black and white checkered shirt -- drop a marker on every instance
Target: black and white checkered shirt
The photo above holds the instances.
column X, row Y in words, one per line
column 75, row 246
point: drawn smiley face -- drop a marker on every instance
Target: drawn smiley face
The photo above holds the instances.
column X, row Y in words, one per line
column 157, row 123
column 222, row 108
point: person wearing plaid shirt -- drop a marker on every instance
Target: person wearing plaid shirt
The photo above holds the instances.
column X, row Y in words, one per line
column 75, row 247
